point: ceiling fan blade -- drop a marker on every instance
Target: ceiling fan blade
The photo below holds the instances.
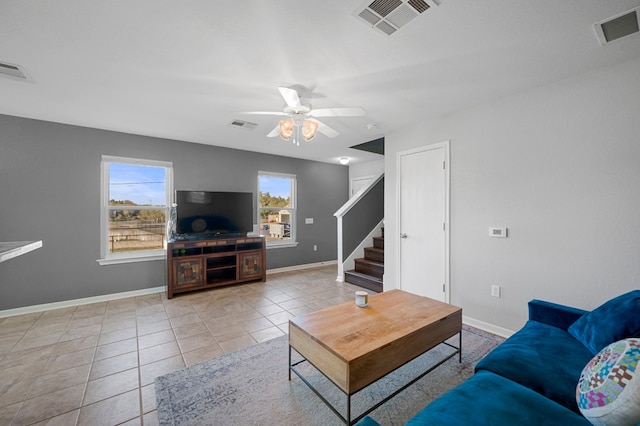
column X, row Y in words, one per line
column 337, row 112
column 290, row 96
column 326, row 130
column 275, row 132
column 263, row 113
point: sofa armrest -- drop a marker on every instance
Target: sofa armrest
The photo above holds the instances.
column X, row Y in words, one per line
column 554, row 314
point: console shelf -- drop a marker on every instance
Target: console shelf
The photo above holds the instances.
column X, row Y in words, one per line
column 200, row 264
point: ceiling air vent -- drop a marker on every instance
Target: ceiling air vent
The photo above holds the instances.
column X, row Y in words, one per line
column 617, row 27
column 14, row 71
column 243, row 124
column 388, row 16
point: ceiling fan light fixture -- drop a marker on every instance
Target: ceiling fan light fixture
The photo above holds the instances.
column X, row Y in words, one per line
column 309, row 129
column 286, row 129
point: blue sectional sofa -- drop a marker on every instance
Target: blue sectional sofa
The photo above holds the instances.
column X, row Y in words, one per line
column 531, row 378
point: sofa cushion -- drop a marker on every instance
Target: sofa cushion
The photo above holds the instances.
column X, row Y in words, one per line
column 608, row 392
column 488, row 399
column 542, row 357
column 615, row 320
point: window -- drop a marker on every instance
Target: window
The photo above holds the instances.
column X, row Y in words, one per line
column 277, row 208
column 135, row 198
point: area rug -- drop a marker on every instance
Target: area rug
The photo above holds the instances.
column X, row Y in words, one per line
column 251, row 387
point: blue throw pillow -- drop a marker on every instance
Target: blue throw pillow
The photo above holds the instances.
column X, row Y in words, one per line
column 617, row 319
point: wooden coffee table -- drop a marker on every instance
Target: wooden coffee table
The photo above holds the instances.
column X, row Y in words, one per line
column 353, row 347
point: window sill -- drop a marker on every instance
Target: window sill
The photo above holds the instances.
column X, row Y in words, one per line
column 282, row 245
column 131, row 259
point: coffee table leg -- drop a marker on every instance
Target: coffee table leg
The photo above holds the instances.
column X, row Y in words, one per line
column 289, row 363
column 459, row 349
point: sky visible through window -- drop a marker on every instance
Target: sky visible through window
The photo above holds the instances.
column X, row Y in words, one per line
column 144, row 185
column 275, row 186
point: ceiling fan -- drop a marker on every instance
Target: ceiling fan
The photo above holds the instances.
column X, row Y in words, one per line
column 301, row 121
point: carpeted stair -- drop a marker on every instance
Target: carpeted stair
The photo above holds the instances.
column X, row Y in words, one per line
column 369, row 270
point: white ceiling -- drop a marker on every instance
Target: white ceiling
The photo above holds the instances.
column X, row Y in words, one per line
column 185, row 69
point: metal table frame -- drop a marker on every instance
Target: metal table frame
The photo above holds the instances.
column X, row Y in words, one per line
column 347, row 420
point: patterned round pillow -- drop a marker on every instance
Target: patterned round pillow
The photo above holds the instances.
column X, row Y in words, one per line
column 608, row 392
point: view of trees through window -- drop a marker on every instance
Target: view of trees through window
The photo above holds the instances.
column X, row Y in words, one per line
column 276, row 206
column 137, row 207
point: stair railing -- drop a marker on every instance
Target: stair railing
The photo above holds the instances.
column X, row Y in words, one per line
column 358, row 219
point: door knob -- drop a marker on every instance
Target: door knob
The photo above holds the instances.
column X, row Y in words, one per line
column 402, row 235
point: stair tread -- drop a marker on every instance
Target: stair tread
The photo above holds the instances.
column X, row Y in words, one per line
column 362, row 275
column 369, row 261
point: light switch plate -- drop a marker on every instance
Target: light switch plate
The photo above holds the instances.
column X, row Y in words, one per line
column 498, row 232
column 308, row 220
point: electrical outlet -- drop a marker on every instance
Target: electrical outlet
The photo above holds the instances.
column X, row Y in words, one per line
column 315, row 247
column 495, row 290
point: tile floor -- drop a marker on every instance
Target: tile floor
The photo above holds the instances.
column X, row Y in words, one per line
column 95, row 364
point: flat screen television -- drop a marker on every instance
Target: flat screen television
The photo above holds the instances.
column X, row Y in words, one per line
column 209, row 214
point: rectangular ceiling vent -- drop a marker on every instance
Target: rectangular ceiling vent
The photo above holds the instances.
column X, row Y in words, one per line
column 388, row 16
column 241, row 124
column 13, row 71
column 618, row 27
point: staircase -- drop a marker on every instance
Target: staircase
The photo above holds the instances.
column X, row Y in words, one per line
column 368, row 272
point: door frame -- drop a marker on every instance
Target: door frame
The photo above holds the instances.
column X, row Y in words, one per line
column 355, row 179
column 447, row 158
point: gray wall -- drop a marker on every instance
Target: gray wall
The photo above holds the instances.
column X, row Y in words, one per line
column 560, row 167
column 50, row 191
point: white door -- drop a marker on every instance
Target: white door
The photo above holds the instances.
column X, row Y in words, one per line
column 423, row 216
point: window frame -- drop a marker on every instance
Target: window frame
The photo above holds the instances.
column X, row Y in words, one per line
column 107, row 258
column 292, row 241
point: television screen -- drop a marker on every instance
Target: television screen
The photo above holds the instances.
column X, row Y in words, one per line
column 209, row 213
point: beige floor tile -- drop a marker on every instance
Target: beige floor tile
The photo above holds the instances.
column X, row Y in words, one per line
column 150, row 371
column 84, row 331
column 116, row 336
column 148, row 398
column 37, row 384
column 196, row 342
column 65, row 419
column 45, row 329
column 75, row 345
column 190, row 330
column 37, row 342
column 16, row 392
column 151, row 419
column 112, row 385
column 256, row 324
column 60, row 380
column 237, row 343
column 49, row 405
column 156, row 353
column 153, row 327
column 8, row 413
column 202, row 354
column 155, row 339
column 267, row 334
column 64, row 361
column 119, row 324
column 280, row 318
column 111, row 411
column 29, row 356
column 269, row 309
column 279, row 298
column 114, row 365
column 116, row 348
column 229, row 333
column 191, row 318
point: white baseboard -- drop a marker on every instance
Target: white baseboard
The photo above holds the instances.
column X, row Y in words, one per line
column 301, row 267
column 77, row 302
column 485, row 326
